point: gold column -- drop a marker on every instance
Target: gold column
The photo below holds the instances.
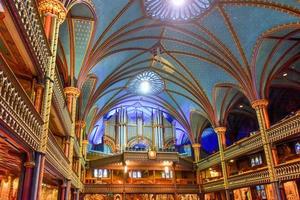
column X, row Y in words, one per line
column 260, row 107
column 72, row 94
column 80, row 125
column 222, row 145
column 55, row 13
column 196, row 147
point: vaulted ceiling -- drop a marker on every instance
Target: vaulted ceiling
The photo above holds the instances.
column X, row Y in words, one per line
column 233, row 52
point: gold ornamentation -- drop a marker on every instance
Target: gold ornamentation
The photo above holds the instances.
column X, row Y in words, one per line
column 73, row 91
column 54, row 7
column 259, row 103
column 29, row 164
column 220, row 130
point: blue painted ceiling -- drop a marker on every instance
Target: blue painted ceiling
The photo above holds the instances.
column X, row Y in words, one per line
column 234, row 50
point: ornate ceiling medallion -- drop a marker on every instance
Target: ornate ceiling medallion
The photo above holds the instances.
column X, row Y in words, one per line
column 146, row 83
column 176, row 10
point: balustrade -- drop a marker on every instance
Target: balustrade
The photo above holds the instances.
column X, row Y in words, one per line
column 257, row 177
column 59, row 101
column 285, row 128
column 56, row 156
column 16, row 109
column 290, row 170
column 27, row 17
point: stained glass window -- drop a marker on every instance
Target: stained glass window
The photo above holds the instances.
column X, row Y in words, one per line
column 100, row 173
column 256, row 160
column 179, row 10
column 147, row 82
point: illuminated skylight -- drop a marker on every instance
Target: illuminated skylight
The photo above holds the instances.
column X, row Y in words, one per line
column 147, row 82
column 179, row 10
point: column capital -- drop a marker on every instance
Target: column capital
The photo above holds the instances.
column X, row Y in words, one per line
column 259, row 103
column 220, row 130
column 196, row 145
column 72, row 91
column 54, row 7
column 85, row 142
column 29, row 164
column 80, row 123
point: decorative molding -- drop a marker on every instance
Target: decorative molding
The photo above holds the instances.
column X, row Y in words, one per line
column 16, row 109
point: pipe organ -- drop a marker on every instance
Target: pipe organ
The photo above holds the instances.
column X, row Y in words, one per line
column 130, row 127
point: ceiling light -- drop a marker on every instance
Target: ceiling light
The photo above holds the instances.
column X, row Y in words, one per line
column 285, row 74
column 145, row 87
column 241, row 106
column 178, row 3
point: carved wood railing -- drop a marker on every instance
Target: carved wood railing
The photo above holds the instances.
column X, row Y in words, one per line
column 16, row 109
column 76, row 181
column 256, row 177
column 243, row 146
column 288, row 171
column 285, row 128
column 214, row 185
column 209, row 161
column 27, row 17
column 56, row 157
column 60, row 104
column 134, row 188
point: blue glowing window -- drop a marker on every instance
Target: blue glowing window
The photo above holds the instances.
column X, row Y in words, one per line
column 176, row 10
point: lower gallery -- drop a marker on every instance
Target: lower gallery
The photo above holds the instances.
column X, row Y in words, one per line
column 149, row 100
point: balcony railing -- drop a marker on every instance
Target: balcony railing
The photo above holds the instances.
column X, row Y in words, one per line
column 56, row 157
column 285, row 128
column 214, row 185
column 59, row 101
column 75, row 180
column 129, row 188
column 288, row 171
column 256, row 177
column 27, row 17
column 243, row 146
column 209, row 161
column 16, row 109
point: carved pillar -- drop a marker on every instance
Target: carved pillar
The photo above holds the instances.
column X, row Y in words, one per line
column 260, row 107
column 72, row 94
column 38, row 97
column 196, row 147
column 222, row 145
column 55, row 13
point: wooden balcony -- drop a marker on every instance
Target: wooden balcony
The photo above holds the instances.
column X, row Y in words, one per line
column 255, row 177
column 243, row 146
column 286, row 128
column 26, row 16
column 56, row 157
column 214, row 185
column 59, row 102
column 135, row 188
column 289, row 170
column 17, row 112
